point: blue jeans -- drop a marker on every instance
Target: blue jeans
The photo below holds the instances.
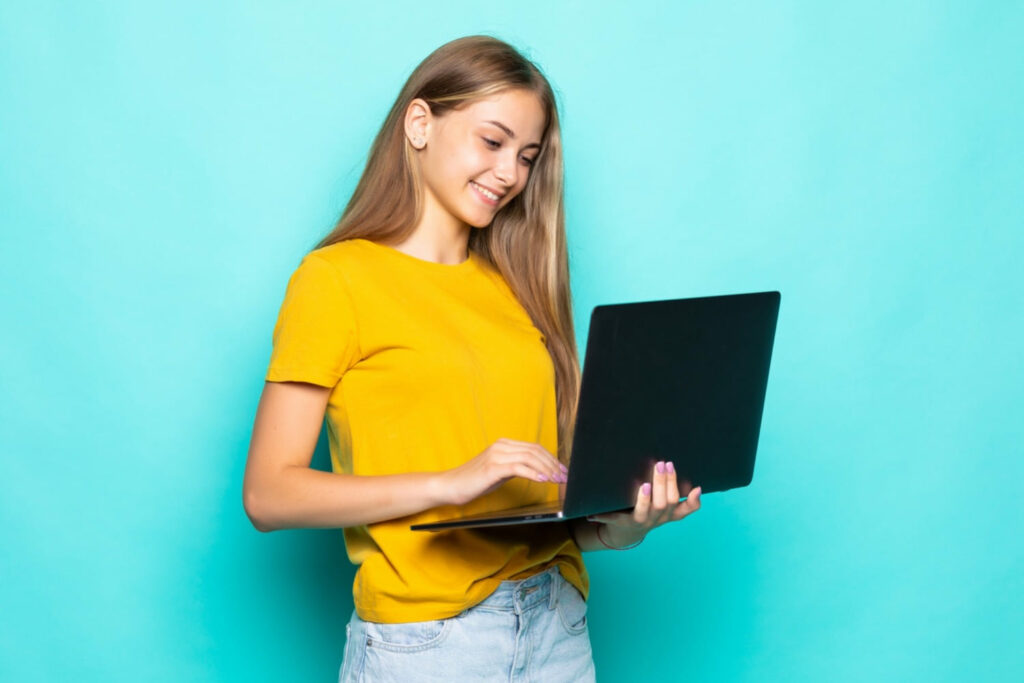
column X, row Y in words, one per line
column 534, row 629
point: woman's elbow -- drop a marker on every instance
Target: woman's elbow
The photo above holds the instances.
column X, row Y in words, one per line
column 255, row 510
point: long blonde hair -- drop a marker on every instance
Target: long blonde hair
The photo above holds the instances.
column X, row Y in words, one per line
column 526, row 240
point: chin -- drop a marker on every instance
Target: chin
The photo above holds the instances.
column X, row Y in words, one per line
column 479, row 222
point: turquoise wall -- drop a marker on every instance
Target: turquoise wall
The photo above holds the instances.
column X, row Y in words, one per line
column 164, row 167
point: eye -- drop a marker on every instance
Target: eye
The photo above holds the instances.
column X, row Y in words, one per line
column 494, row 144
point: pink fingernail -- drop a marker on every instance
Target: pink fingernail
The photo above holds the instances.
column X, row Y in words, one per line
column 542, row 477
column 645, row 489
column 670, row 467
column 660, row 467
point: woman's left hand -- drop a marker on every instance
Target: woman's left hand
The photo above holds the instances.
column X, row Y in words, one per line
column 657, row 502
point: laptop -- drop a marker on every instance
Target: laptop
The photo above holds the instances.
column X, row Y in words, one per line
column 677, row 379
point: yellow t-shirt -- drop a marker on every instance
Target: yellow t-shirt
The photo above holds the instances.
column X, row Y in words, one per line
column 429, row 364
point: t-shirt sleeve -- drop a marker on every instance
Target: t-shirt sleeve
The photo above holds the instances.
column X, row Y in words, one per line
column 316, row 336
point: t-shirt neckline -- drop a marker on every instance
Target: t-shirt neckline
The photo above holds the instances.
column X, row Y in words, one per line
column 423, row 263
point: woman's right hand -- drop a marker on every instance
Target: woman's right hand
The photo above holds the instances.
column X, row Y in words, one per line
column 499, row 462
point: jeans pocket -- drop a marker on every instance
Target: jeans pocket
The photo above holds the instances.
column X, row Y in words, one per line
column 571, row 607
column 407, row 637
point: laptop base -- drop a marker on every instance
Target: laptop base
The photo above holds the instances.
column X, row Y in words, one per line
column 528, row 514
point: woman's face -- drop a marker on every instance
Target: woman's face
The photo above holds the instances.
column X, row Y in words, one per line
column 475, row 160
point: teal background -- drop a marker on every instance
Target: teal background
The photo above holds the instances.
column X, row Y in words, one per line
column 164, row 167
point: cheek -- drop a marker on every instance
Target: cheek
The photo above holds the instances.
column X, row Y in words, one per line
column 461, row 168
column 523, row 180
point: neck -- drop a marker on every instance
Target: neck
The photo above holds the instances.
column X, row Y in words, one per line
column 438, row 237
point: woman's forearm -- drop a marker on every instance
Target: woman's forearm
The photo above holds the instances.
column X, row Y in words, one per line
column 301, row 497
column 585, row 533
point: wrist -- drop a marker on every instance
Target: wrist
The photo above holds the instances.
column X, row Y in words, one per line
column 437, row 489
column 617, row 538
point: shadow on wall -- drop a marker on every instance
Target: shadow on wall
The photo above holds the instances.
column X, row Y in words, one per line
column 288, row 592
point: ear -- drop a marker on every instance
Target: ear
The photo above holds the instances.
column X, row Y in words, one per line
column 418, row 121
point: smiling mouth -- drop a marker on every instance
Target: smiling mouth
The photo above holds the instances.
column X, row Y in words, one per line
column 485, row 194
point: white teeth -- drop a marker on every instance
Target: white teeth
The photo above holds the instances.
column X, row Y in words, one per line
column 487, row 193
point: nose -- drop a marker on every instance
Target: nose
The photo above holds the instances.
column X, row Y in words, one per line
column 504, row 170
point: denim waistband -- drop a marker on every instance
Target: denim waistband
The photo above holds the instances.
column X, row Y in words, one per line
column 518, row 596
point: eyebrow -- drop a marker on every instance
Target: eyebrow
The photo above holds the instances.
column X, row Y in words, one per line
column 508, row 132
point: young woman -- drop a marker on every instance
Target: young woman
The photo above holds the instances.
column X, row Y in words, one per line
column 433, row 328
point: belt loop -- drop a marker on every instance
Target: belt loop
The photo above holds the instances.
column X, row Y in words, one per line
column 553, row 586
